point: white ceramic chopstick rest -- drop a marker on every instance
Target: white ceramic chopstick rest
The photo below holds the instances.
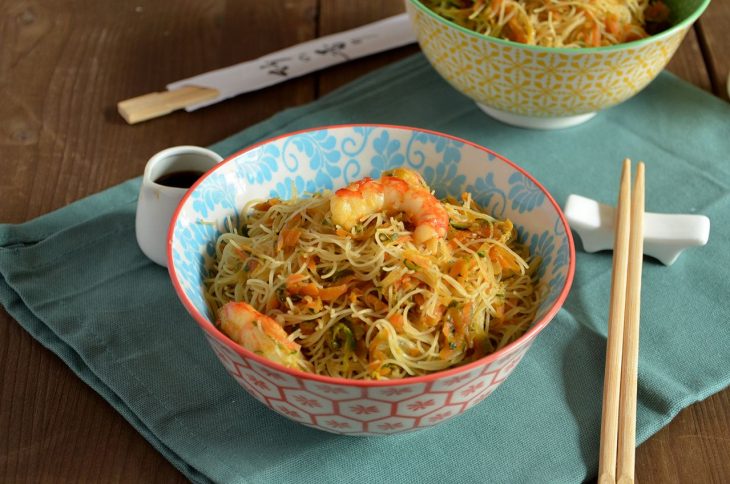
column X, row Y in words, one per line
column 665, row 235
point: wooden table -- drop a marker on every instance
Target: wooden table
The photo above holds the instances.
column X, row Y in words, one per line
column 64, row 64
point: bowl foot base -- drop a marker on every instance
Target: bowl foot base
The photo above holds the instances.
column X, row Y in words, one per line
column 532, row 122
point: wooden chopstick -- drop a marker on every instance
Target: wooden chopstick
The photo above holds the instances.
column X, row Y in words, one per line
column 156, row 104
column 612, row 374
column 618, row 421
column 630, row 356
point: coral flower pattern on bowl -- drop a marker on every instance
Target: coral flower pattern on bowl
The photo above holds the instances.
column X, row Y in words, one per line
column 329, row 158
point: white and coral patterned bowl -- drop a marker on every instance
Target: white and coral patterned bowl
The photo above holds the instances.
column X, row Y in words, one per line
column 546, row 87
column 329, row 158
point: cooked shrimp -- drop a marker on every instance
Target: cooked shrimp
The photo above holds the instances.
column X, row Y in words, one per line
column 413, row 178
column 259, row 333
column 401, row 190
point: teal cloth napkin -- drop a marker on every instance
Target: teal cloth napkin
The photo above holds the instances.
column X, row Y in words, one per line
column 76, row 280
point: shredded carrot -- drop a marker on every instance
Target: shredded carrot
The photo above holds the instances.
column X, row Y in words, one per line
column 461, row 318
column 430, row 320
column 397, row 321
column 514, row 31
column 313, row 303
column 459, row 236
column 612, row 25
column 378, row 345
column 354, row 294
column 416, row 258
column 595, row 35
column 295, row 286
column 630, row 34
column 505, row 260
column 272, row 303
column 375, row 302
column 294, row 278
column 446, row 353
column 406, row 282
column 331, row 293
column 460, row 268
column 264, row 206
column 288, row 238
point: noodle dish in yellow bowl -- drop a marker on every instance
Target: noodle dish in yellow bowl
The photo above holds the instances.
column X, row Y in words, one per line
column 550, row 64
column 369, row 279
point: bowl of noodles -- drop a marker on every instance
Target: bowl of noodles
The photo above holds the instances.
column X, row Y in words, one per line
column 548, row 64
column 369, row 279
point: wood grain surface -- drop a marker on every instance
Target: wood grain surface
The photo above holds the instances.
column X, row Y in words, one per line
column 64, row 64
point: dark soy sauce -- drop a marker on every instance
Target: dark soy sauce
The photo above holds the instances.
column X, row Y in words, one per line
column 179, row 179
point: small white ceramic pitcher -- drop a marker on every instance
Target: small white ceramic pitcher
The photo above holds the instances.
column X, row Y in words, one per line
column 167, row 177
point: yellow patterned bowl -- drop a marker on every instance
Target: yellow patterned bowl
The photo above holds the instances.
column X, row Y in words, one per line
column 546, row 87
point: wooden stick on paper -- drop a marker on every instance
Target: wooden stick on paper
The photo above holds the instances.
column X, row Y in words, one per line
column 156, row 104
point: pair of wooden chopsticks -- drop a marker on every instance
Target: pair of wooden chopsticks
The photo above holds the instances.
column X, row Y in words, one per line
column 618, row 423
